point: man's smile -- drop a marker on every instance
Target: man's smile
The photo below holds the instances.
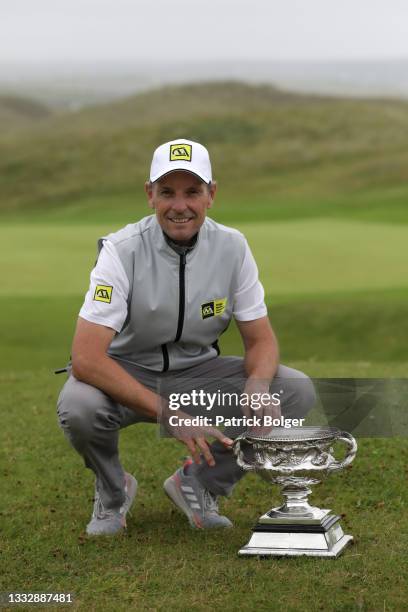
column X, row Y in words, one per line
column 181, row 220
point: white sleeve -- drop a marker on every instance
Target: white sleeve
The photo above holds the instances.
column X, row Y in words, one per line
column 106, row 300
column 249, row 301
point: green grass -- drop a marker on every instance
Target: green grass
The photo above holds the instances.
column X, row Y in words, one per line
column 370, row 330
column 321, row 257
column 336, row 290
column 160, row 563
column 324, row 330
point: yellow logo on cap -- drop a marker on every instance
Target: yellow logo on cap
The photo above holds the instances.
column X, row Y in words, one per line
column 103, row 293
column 180, row 151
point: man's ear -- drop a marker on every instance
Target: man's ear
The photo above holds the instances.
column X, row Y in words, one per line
column 212, row 191
column 149, row 193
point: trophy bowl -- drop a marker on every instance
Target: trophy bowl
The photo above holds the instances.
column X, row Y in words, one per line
column 295, row 459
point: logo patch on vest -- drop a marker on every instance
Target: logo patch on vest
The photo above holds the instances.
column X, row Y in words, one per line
column 180, row 151
column 213, row 308
column 103, row 293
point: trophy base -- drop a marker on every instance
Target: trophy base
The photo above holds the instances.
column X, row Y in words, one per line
column 312, row 516
column 306, row 537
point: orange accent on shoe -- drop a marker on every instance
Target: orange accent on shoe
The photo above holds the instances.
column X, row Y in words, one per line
column 186, row 464
column 197, row 521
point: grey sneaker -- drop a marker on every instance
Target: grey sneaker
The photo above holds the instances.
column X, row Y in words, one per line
column 106, row 521
column 199, row 504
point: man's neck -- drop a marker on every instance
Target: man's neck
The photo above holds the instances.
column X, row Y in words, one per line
column 181, row 245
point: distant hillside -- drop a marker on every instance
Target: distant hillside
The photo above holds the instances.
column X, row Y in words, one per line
column 72, row 86
column 18, row 113
column 266, row 145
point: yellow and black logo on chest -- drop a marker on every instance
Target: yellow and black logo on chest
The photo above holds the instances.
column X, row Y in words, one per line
column 214, row 308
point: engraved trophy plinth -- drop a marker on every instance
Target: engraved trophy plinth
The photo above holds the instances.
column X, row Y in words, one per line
column 292, row 458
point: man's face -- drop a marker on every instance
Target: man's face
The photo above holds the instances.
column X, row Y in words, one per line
column 180, row 200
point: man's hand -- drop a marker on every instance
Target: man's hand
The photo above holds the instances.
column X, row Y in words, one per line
column 261, row 363
column 261, row 404
column 194, row 437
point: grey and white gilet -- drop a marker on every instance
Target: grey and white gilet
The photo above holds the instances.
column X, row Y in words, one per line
column 179, row 303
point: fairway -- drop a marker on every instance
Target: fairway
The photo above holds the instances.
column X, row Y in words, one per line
column 344, row 278
column 320, row 256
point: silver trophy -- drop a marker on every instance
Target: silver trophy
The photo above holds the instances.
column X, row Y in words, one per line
column 292, row 458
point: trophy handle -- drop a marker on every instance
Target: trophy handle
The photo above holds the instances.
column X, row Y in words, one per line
column 351, row 451
column 238, row 452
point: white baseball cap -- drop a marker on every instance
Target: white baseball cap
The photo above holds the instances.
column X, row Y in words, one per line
column 181, row 154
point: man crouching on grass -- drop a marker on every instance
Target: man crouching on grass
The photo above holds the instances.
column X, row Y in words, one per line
column 161, row 293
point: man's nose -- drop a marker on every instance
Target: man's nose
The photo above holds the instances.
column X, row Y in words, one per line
column 179, row 204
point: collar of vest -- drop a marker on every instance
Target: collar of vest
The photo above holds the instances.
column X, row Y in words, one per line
column 164, row 247
column 180, row 248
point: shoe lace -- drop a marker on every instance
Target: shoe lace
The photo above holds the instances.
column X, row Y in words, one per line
column 99, row 511
column 126, row 503
column 210, row 502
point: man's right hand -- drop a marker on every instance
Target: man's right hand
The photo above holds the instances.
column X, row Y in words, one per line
column 194, row 437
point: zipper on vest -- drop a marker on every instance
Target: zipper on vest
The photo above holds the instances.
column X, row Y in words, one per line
column 182, row 305
column 182, row 296
column 165, row 358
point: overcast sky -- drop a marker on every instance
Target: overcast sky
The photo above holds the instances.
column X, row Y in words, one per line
column 85, row 31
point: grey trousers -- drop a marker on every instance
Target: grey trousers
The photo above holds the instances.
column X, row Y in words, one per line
column 91, row 420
